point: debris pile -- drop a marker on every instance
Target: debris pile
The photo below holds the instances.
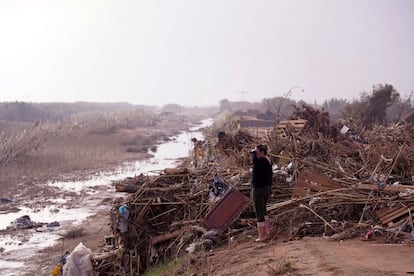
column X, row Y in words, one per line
column 162, row 218
column 329, row 179
column 357, row 179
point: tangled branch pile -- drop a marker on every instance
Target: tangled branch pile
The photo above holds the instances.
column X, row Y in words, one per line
column 360, row 178
column 162, row 218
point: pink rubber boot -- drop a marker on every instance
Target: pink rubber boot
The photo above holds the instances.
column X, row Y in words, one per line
column 261, row 230
column 268, row 226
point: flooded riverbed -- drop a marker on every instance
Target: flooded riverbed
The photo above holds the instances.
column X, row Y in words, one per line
column 17, row 246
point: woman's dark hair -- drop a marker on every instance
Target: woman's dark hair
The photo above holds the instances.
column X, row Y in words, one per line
column 262, row 148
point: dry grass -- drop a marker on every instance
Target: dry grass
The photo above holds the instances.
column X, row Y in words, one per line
column 74, row 233
column 167, row 267
column 17, row 144
column 59, row 156
column 74, row 151
column 284, row 267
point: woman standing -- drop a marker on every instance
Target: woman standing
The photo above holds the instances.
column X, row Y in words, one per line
column 261, row 190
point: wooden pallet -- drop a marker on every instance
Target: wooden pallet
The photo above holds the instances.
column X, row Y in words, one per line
column 297, row 125
column 388, row 215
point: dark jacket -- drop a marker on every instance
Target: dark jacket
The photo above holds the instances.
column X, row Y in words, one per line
column 262, row 173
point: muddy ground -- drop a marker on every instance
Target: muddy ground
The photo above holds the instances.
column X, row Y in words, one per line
column 242, row 256
column 310, row 256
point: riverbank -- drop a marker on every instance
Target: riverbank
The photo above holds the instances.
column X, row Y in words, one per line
column 99, row 198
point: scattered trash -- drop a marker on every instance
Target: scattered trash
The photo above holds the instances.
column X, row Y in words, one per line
column 61, row 261
column 123, row 219
column 5, row 200
column 79, row 262
column 23, row 222
column 217, row 189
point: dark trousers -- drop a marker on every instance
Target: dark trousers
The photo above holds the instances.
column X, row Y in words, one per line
column 260, row 196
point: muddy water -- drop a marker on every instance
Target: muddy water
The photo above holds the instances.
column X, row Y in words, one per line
column 19, row 246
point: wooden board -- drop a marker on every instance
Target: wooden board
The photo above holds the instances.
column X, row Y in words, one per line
column 297, row 125
column 258, row 131
column 401, row 188
column 389, row 214
column 309, row 183
column 226, row 210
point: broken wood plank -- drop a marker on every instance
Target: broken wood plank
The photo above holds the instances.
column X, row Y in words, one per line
column 107, row 255
column 175, row 171
column 401, row 188
column 309, row 182
column 297, row 124
column 166, row 236
column 126, row 188
column 166, row 189
column 393, row 213
column 273, row 207
column 169, row 203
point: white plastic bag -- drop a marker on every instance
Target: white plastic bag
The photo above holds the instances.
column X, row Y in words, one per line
column 79, row 262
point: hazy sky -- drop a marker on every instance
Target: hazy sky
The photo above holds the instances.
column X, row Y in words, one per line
column 199, row 52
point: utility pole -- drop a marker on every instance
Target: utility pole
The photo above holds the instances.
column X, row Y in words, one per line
column 243, row 93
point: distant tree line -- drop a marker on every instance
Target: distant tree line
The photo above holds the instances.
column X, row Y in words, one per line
column 80, row 111
column 53, row 112
column 384, row 105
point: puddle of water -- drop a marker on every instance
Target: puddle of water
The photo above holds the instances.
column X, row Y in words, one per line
column 84, row 185
column 45, row 214
column 166, row 156
column 26, row 240
column 10, row 267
